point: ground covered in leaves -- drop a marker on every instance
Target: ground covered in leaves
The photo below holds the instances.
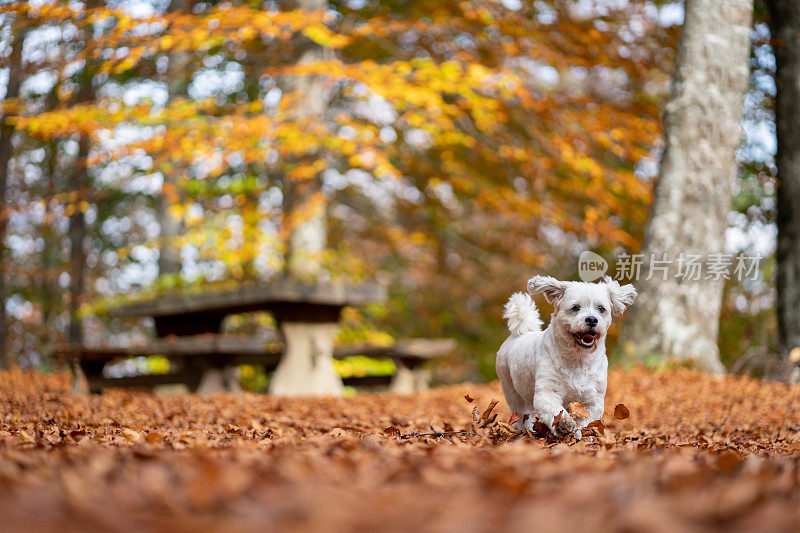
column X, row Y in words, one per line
column 697, row 452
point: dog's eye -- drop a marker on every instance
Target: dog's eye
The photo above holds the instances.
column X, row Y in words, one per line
column 601, row 308
column 576, row 308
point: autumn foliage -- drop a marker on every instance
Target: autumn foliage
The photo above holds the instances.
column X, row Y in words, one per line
column 457, row 140
column 697, row 452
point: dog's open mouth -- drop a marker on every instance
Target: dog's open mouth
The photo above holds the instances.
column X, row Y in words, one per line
column 586, row 339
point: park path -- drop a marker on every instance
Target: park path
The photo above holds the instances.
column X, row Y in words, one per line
column 698, row 452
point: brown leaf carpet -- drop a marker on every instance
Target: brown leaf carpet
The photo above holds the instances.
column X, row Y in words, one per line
column 697, row 453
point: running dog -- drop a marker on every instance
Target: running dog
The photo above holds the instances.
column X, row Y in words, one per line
column 542, row 371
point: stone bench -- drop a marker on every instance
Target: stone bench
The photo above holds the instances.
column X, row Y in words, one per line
column 203, row 362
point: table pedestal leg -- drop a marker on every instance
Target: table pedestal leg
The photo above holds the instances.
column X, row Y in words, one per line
column 213, row 381
column 410, row 379
column 80, row 384
column 306, row 367
column 232, row 379
column 219, row 380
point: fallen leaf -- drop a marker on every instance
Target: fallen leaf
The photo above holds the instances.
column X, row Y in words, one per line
column 488, row 411
column 540, row 428
column 131, row 435
column 514, row 418
column 391, row 431
column 476, row 414
column 621, row 412
column 26, row 437
column 727, row 460
column 578, row 409
column 154, row 437
column 608, row 441
column 598, row 425
column 469, row 398
column 502, row 432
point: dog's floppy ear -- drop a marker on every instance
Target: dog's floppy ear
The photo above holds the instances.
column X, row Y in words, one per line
column 552, row 289
column 621, row 295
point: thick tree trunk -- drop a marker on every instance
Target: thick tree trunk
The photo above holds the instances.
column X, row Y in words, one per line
column 785, row 25
column 169, row 259
column 6, row 132
column 304, row 208
column 679, row 318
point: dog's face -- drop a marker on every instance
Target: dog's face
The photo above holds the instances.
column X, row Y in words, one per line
column 583, row 311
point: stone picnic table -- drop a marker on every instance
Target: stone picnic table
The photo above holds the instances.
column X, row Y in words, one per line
column 307, row 315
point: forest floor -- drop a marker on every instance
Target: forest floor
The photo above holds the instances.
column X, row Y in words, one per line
column 698, row 452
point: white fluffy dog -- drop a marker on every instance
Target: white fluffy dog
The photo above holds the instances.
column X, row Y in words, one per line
column 543, row 371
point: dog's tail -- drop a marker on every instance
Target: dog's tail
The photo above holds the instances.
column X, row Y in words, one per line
column 521, row 314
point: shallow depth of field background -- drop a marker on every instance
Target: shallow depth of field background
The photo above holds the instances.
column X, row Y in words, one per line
column 455, row 148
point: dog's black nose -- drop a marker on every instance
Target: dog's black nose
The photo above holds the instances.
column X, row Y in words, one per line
column 591, row 321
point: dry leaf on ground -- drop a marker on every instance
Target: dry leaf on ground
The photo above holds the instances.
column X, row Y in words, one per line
column 578, row 409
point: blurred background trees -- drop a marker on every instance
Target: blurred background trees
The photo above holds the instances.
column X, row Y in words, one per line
column 448, row 148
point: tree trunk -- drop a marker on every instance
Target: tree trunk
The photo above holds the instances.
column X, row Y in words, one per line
column 6, row 132
column 785, row 26
column 303, row 206
column 678, row 318
column 169, row 259
column 77, row 238
column 48, row 283
column 77, row 222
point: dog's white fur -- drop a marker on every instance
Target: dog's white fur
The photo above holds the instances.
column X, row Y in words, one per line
column 543, row 371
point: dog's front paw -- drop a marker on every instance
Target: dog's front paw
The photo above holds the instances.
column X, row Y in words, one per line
column 564, row 424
